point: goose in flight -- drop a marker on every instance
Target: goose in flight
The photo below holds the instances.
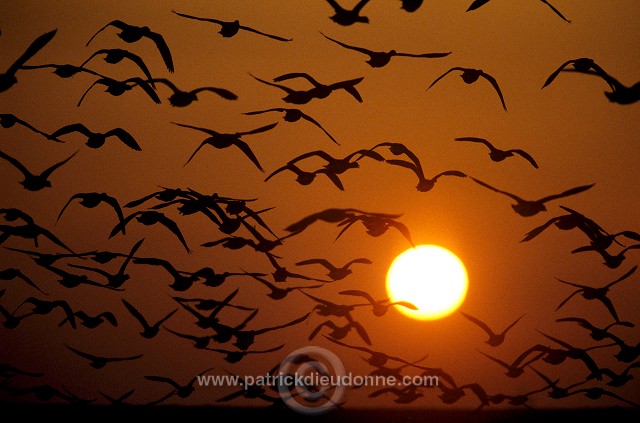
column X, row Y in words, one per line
column 229, row 29
column 470, row 75
column 496, row 154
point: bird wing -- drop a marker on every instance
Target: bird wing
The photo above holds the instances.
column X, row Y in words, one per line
column 224, row 93
column 284, row 325
column 623, row 277
column 51, row 169
column 428, row 55
column 133, row 251
column 293, row 75
column 450, row 173
column 275, row 37
column 566, row 193
column 17, row 164
column 556, row 72
column 404, row 230
column 163, row 48
column 202, row 144
column 81, row 353
column 358, row 260
column 139, row 62
column 609, row 305
column 537, row 230
column 74, row 127
column 484, row 184
column 556, row 11
column 495, row 85
column 334, row 178
column 525, row 155
column 258, row 130
column 478, row 322
column 321, row 261
column 126, row 137
column 121, row 225
column 173, row 227
column 359, row 293
column 163, row 379
column 444, row 74
column 197, row 128
column 248, row 152
column 135, row 313
column 512, row 324
column 116, row 23
column 316, row 123
column 35, row 46
column 351, row 47
column 567, row 299
column 477, row 140
column 476, row 4
column 73, row 197
column 53, row 238
column 113, row 202
column 146, row 86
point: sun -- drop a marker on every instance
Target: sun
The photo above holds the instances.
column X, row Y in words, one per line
column 431, row 277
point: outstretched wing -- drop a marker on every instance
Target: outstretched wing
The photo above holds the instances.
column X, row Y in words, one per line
column 224, row 93
column 566, row 193
column 51, row 169
column 496, row 87
column 275, row 37
column 33, row 48
column 126, row 138
column 17, row 164
column 444, row 74
column 478, row 322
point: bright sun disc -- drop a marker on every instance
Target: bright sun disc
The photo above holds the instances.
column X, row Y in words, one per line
column 430, row 277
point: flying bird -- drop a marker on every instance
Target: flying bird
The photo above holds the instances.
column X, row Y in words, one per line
column 495, row 338
column 334, row 272
column 33, row 182
column 596, row 333
column 340, row 332
column 221, row 141
column 600, row 294
column 528, row 208
column 181, row 391
column 148, row 218
column 293, row 115
column 8, row 120
column 379, row 59
column 470, row 75
column 99, row 362
column 117, row 55
column 319, row 90
column 478, row 3
column 96, row 140
column 230, row 28
column 91, row 200
column 117, row 88
column 580, row 65
column 149, row 330
column 498, row 155
column 132, row 33
column 376, row 226
column 348, row 17
column 182, row 98
column 379, row 307
column 8, row 79
column 12, row 273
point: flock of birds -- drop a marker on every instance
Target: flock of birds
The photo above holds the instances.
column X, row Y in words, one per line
column 243, row 227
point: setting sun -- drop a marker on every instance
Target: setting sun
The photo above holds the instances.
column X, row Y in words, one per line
column 430, row 277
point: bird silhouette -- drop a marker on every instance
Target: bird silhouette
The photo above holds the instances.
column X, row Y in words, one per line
column 12, row 273
column 117, row 88
column 93, row 199
column 99, row 362
column 293, row 115
column 149, row 330
column 597, row 392
column 229, row 29
column 8, row 79
column 495, row 338
column 31, row 231
column 596, row 333
column 379, row 59
column 303, row 177
column 131, row 34
column 96, row 140
column 117, row 55
column 618, row 379
column 235, row 356
column 64, row 71
column 478, row 3
column 378, row 307
column 279, row 293
column 225, row 140
column 182, row 280
column 573, row 220
column 182, row 98
column 498, row 155
column 92, row 322
column 600, row 293
column 43, row 307
column 470, row 75
column 612, row 261
column 31, row 181
column 376, row 226
column 321, row 90
column 348, row 17
column 340, row 332
column 149, row 218
column 245, row 338
column 114, row 280
column 180, row 390
column 8, row 120
column 120, row 400
column 517, row 367
column 334, row 272
column 334, row 215
column 553, row 389
column 527, row 208
column 581, row 65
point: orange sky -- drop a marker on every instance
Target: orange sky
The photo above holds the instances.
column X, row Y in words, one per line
column 576, row 135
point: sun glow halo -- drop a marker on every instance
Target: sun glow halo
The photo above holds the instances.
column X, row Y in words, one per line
column 429, row 276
